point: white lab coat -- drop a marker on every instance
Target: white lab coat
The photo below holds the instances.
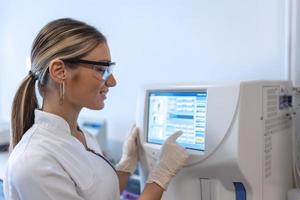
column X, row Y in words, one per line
column 50, row 164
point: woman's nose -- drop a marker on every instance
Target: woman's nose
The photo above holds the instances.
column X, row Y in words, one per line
column 111, row 81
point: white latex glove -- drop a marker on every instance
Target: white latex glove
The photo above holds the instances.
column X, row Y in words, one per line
column 171, row 159
column 130, row 152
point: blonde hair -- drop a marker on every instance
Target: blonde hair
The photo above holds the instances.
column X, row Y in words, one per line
column 64, row 39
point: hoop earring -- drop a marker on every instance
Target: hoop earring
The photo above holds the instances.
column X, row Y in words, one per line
column 61, row 93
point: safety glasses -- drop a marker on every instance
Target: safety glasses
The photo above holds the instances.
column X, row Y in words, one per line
column 105, row 69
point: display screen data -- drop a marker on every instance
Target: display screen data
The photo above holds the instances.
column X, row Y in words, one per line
column 172, row 111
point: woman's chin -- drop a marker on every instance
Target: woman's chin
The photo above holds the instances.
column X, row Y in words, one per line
column 96, row 107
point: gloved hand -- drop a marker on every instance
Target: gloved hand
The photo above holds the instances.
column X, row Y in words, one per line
column 171, row 159
column 130, row 152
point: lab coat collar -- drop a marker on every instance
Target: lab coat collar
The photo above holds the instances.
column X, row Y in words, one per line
column 52, row 122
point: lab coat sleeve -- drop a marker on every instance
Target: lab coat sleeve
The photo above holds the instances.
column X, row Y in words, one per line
column 42, row 177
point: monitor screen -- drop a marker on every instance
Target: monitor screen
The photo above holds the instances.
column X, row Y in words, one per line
column 170, row 111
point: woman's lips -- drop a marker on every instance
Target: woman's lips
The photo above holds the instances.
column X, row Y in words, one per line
column 103, row 95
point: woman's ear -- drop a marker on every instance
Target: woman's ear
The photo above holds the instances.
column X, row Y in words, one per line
column 57, row 70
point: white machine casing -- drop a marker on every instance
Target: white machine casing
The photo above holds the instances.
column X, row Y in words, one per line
column 247, row 140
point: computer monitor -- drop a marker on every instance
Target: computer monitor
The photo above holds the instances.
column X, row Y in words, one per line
column 171, row 111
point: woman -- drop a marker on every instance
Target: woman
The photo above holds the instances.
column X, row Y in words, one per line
column 52, row 158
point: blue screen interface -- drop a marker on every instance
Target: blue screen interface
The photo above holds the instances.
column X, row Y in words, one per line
column 170, row 111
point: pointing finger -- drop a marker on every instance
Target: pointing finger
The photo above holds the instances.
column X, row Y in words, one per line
column 174, row 136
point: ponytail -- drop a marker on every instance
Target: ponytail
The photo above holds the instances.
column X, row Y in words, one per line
column 24, row 104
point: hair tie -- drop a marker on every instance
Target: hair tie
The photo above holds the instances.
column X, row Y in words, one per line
column 32, row 75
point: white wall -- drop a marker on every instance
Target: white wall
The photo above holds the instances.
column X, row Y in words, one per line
column 296, row 44
column 154, row 42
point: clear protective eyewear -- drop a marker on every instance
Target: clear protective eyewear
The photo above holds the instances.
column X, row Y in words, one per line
column 105, row 69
